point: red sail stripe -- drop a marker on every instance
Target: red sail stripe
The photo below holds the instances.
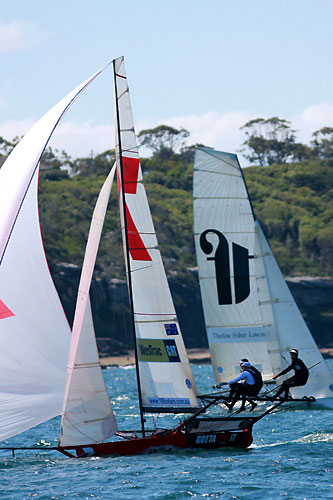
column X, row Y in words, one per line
column 131, row 171
column 136, row 246
column 5, row 312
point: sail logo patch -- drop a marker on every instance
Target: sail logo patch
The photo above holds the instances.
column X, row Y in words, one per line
column 169, row 401
column 171, row 329
column 5, row 312
column 157, row 350
column 240, row 259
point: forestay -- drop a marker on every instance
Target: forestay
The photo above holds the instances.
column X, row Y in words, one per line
column 249, row 311
column 165, row 374
column 87, row 415
column 34, row 332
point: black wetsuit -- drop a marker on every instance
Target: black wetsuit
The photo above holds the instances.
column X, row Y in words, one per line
column 300, row 378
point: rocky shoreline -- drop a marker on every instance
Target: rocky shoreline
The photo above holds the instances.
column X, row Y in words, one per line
column 194, row 355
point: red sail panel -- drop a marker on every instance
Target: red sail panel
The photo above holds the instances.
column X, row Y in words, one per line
column 5, row 312
column 137, row 248
column 131, row 170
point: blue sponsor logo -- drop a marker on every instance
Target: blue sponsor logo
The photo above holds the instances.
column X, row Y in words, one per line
column 169, row 401
column 220, row 369
column 172, row 351
column 171, row 329
column 188, row 383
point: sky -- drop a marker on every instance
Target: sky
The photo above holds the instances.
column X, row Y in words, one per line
column 206, row 66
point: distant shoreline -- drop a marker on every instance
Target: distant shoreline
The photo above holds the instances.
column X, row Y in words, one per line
column 195, row 356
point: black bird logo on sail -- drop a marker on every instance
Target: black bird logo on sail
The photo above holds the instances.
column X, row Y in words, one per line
column 240, row 258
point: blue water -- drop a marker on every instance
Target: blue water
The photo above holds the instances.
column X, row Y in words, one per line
column 291, row 458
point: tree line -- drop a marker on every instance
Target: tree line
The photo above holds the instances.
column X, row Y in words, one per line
column 292, row 196
column 292, row 200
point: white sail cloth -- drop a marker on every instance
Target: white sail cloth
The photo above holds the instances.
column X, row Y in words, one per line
column 165, row 374
column 34, row 332
column 87, row 415
column 249, row 310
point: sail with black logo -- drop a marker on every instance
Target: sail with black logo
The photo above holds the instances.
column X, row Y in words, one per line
column 249, row 310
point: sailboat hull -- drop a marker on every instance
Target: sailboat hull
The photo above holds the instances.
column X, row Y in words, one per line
column 181, row 438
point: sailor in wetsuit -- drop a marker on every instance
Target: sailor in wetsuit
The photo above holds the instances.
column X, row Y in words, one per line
column 248, row 383
column 300, row 378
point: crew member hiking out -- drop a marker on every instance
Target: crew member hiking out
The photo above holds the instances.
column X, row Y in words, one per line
column 248, row 383
column 300, row 378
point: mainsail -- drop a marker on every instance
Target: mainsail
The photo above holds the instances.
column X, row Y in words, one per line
column 87, row 415
column 34, row 332
column 249, row 310
column 166, row 379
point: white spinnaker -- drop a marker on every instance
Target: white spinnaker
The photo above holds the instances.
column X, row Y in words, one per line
column 35, row 340
column 87, row 415
column 34, row 332
column 267, row 323
column 165, row 374
column 223, row 217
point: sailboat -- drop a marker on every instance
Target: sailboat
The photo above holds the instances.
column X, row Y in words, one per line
column 46, row 370
column 248, row 308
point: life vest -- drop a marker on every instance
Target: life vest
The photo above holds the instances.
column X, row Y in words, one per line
column 258, row 383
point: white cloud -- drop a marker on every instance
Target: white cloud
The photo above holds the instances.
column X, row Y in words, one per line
column 20, row 35
column 79, row 139
column 221, row 131
column 214, row 130
column 311, row 119
column 13, row 128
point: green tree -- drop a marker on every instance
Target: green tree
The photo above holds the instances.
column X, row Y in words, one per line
column 322, row 143
column 100, row 164
column 163, row 140
column 269, row 141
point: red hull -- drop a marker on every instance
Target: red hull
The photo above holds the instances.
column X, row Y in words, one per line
column 164, row 441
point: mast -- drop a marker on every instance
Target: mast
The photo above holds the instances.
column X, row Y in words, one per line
column 127, row 256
